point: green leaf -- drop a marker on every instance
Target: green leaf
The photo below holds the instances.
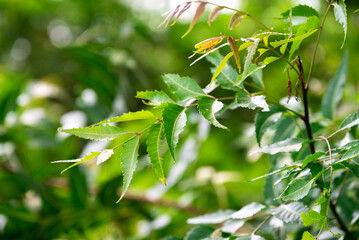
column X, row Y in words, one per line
column 248, row 211
column 350, row 121
column 307, row 236
column 232, row 225
column 96, row 133
column 340, row 12
column 236, row 19
column 174, row 120
column 182, row 87
column 288, row 145
column 301, row 11
column 310, row 217
column 310, row 24
column 199, row 233
column 171, row 238
column 78, row 161
column 252, row 102
column 301, row 37
column 128, row 157
column 334, row 91
column 285, row 128
column 311, row 158
column 211, row 218
column 296, row 190
column 290, row 213
column 264, row 120
column 353, row 165
column 253, row 68
column 208, row 107
column 153, row 144
column 220, row 67
column 356, row 11
column 246, row 70
column 131, row 116
column 154, row 98
column 227, row 76
column 351, row 153
column 286, row 168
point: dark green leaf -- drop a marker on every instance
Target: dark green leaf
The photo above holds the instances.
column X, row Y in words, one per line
column 128, row 157
column 182, row 87
column 208, row 107
column 334, row 91
column 263, row 121
column 311, row 158
column 153, row 144
column 351, row 153
column 350, row 121
column 96, row 133
column 174, row 120
column 296, row 190
column 199, row 233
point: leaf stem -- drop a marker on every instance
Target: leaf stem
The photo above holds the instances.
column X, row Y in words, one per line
column 317, row 44
column 342, row 187
column 261, row 224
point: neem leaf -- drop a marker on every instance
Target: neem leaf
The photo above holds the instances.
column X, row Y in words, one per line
column 288, row 145
column 310, row 217
column 350, row 121
column 128, row 157
column 183, row 87
column 211, row 218
column 220, row 67
column 264, row 120
column 301, row 37
column 351, row 153
column 153, row 145
column 248, row 211
column 251, row 51
column 232, row 225
column 227, row 76
column 185, row 7
column 174, row 120
column 298, row 189
column 208, row 107
column 290, row 213
column 131, row 116
column 234, row 47
column 275, row 172
column 154, row 98
column 311, row 158
column 236, row 19
column 104, row 155
column 252, row 102
column 335, row 88
column 200, row 10
column 307, row 236
column 200, row 232
column 78, row 161
column 96, row 133
column 340, row 12
column 301, row 11
column 214, row 14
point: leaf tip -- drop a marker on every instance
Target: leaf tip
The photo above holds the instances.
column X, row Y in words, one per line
column 163, row 180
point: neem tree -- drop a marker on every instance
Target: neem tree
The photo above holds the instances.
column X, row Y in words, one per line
column 318, row 187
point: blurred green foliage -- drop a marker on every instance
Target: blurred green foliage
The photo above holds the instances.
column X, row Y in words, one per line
column 74, row 63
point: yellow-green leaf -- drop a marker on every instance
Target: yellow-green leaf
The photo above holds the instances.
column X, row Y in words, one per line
column 221, row 66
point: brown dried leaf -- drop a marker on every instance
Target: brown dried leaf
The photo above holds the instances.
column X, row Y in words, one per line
column 232, row 43
column 236, row 19
column 214, row 14
column 185, row 7
column 198, row 14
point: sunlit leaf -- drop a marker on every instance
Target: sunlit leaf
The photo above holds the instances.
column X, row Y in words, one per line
column 335, row 88
column 300, row 11
column 251, row 51
column 174, row 120
column 310, row 217
column 78, row 161
column 131, row 116
column 153, row 144
column 307, row 236
column 248, row 211
column 154, row 98
column 252, row 102
column 208, row 107
column 340, row 12
column 236, row 19
column 232, row 225
column 128, row 158
column 203, row 46
column 211, row 218
column 301, row 37
column 290, row 213
column 200, row 10
column 351, row 153
column 96, row 133
column 183, row 87
column 214, row 14
column 297, row 189
column 286, row 168
column 221, row 66
column 104, row 155
column 185, row 7
column 288, row 145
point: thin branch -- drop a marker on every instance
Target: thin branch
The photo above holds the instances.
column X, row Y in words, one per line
column 341, row 187
column 261, row 225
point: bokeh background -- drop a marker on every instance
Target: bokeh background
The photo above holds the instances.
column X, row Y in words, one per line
column 72, row 63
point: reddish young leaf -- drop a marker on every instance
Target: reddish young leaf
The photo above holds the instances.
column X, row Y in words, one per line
column 198, row 14
column 232, row 43
column 185, row 7
column 208, row 44
column 214, row 14
column 236, row 19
